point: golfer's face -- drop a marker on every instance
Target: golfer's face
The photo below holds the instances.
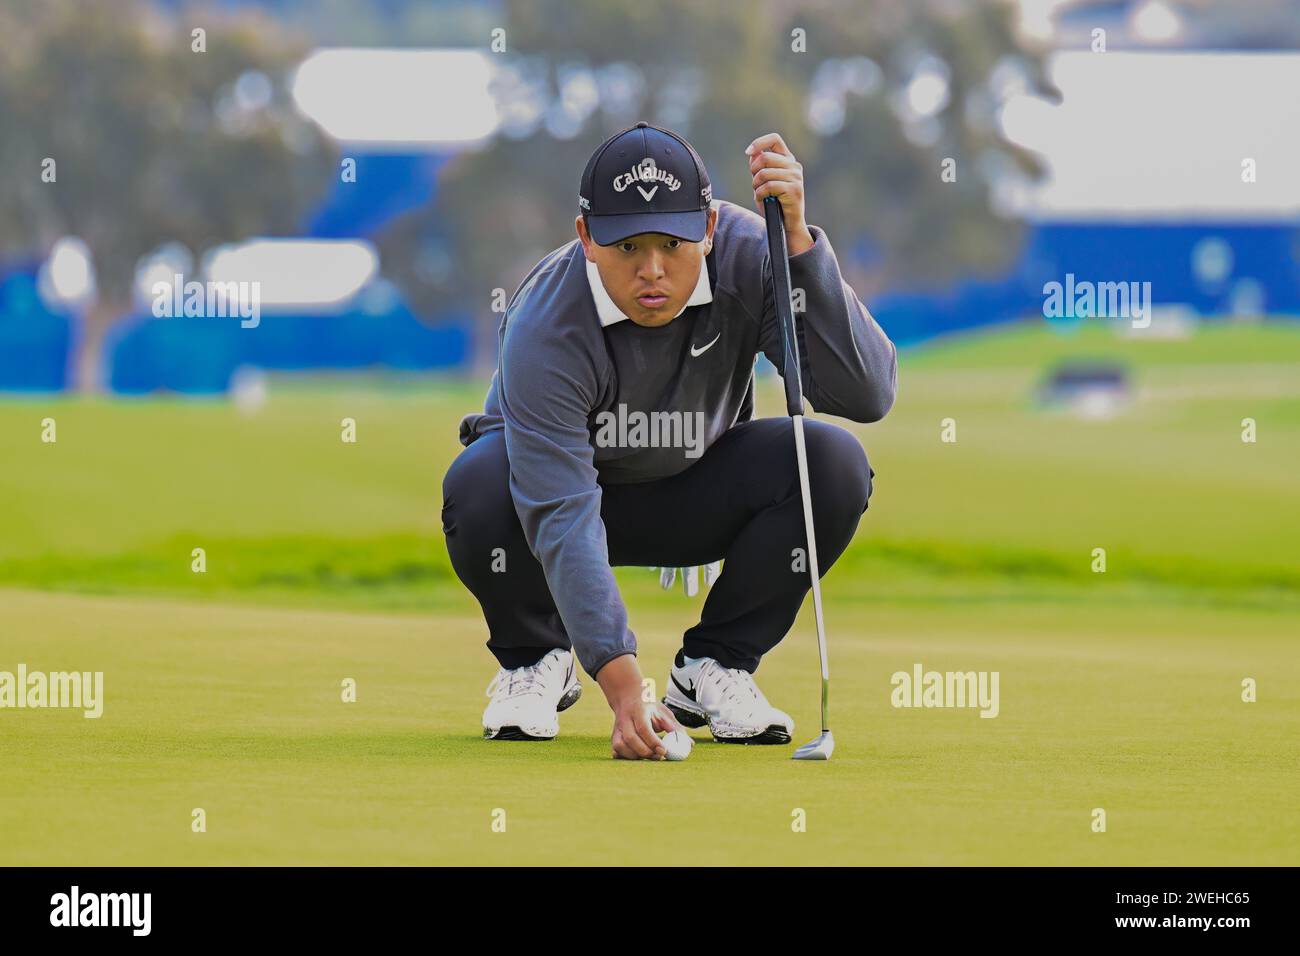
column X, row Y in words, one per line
column 650, row 276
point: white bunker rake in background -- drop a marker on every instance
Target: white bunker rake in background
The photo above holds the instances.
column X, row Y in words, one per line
column 822, row 747
column 690, row 577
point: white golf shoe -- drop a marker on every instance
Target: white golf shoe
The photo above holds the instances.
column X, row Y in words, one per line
column 526, row 701
column 727, row 699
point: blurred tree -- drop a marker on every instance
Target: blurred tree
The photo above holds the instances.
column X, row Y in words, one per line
column 388, row 23
column 881, row 94
column 154, row 143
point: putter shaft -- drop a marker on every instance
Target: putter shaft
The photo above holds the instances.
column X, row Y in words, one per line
column 801, row 453
column 779, row 258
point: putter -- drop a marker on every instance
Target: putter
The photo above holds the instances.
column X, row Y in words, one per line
column 824, row 745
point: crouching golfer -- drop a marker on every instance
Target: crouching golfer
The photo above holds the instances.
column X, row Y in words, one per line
column 619, row 430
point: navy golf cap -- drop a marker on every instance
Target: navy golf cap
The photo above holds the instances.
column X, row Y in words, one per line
column 645, row 179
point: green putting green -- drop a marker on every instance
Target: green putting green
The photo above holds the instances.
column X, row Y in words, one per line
column 1119, row 690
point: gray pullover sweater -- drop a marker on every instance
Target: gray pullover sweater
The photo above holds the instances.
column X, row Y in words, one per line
column 587, row 399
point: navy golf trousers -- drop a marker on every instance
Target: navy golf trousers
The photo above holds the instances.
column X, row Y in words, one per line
column 739, row 502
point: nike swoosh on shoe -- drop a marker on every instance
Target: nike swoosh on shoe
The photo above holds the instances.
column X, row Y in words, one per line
column 688, row 692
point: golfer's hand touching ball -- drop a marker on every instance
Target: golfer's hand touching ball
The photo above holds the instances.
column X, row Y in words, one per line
column 635, row 721
column 777, row 173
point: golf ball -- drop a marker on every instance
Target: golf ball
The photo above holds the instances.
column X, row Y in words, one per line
column 678, row 744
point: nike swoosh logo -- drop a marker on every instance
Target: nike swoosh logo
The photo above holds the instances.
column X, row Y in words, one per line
column 688, row 692
column 696, row 353
column 647, row 196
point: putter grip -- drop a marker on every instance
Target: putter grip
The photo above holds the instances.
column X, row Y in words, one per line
column 779, row 256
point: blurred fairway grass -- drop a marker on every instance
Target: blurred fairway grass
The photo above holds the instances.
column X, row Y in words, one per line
column 288, row 513
column 326, row 561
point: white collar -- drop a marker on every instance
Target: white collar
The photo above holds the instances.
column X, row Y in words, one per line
column 609, row 313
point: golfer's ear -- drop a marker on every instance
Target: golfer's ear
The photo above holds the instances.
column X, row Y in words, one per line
column 708, row 230
column 584, row 237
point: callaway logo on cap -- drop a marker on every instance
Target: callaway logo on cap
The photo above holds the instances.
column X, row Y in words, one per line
column 645, row 179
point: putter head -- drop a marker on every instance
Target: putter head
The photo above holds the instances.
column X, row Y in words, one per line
column 819, row 749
